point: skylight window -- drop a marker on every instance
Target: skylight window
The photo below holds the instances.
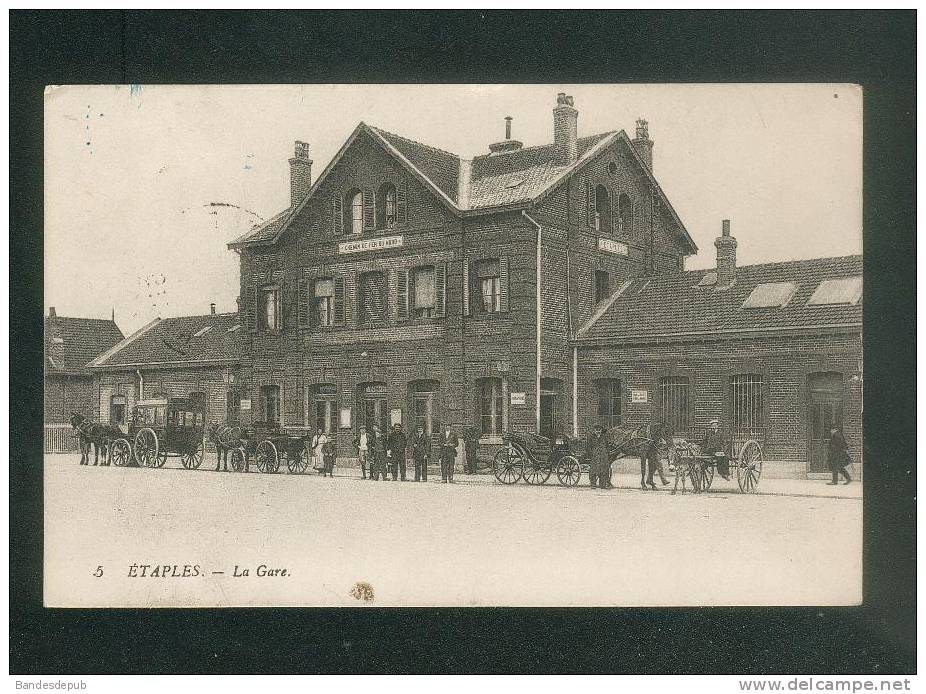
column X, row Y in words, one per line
column 203, row 331
column 847, row 290
column 709, row 280
column 771, row 295
column 235, row 328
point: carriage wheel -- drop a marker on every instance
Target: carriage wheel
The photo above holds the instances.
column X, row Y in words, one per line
column 120, row 452
column 266, row 456
column 193, row 458
column 535, row 472
column 237, row 459
column 568, row 471
column 297, row 462
column 707, row 476
column 162, row 458
column 507, row 465
column 146, row 448
column 749, row 469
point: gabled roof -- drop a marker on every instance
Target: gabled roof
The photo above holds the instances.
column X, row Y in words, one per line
column 177, row 341
column 70, row 343
column 482, row 185
column 675, row 305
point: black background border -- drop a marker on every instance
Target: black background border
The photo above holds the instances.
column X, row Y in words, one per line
column 875, row 49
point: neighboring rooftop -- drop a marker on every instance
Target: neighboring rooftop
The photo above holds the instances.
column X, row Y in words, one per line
column 212, row 338
column 71, row 343
column 682, row 303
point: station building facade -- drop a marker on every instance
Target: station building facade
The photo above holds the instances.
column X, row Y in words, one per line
column 408, row 284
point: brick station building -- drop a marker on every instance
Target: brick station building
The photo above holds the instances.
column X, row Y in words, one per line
column 402, row 283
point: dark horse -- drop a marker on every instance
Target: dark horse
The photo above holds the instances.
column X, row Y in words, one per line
column 96, row 434
column 224, row 438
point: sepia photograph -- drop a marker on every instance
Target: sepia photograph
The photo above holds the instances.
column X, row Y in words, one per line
column 453, row 345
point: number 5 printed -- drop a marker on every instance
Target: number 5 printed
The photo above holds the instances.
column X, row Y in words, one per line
column 98, row 572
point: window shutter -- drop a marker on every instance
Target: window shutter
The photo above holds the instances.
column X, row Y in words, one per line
column 339, row 300
column 465, row 287
column 369, row 209
column 503, row 283
column 253, row 308
column 304, row 303
column 615, row 215
column 589, row 206
column 402, row 294
column 401, row 204
column 337, row 215
column 440, row 290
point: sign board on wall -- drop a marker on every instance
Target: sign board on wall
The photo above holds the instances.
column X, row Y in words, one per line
column 245, row 405
column 519, row 398
column 361, row 245
column 609, row 246
column 639, row 396
column 344, row 418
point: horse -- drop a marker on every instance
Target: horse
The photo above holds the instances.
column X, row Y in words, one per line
column 100, row 436
column 684, row 457
column 224, row 438
column 651, row 451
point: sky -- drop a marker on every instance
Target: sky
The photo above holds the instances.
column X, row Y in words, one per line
column 145, row 185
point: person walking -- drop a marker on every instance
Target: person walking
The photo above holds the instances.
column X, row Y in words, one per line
column 362, row 445
column 471, row 444
column 448, row 453
column 837, row 456
column 599, row 459
column 396, row 444
column 421, row 454
column 713, row 445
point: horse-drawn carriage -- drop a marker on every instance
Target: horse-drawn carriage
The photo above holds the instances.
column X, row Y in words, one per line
column 745, row 460
column 267, row 443
column 162, row 427
column 533, row 458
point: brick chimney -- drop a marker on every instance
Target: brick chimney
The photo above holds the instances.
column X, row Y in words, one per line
column 51, row 312
column 565, row 130
column 212, row 309
column 506, row 145
column 300, row 174
column 642, row 144
column 726, row 257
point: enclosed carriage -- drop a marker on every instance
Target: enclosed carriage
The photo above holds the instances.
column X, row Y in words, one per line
column 534, row 458
column 162, row 428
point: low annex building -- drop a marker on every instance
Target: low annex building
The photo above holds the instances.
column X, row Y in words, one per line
column 774, row 351
column 173, row 357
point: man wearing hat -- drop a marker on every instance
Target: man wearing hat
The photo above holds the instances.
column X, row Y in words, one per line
column 599, row 459
column 713, row 445
column 397, row 444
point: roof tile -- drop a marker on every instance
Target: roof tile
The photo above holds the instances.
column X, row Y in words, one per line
column 72, row 343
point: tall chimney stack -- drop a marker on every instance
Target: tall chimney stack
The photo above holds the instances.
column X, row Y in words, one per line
column 506, row 145
column 726, row 257
column 300, row 174
column 565, row 130
column 212, row 309
column 51, row 312
column 642, row 144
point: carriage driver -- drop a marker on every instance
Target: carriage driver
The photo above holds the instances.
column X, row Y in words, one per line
column 713, row 445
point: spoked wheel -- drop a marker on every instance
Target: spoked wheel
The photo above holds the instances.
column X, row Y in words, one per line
column 568, row 471
column 707, row 475
column 121, row 452
column 507, row 465
column 146, row 448
column 238, row 459
column 297, row 462
column 266, row 456
column 536, row 472
column 749, row 469
column 162, row 458
column 192, row 458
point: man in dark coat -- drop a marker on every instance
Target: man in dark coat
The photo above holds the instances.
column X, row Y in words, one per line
column 421, row 453
column 837, row 456
column 378, row 451
column 471, row 442
column 599, row 458
column 448, row 453
column 715, row 446
column 396, row 444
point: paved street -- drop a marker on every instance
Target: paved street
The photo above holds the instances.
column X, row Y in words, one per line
column 472, row 543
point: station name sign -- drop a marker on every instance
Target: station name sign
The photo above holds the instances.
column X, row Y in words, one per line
column 361, row 245
column 610, row 246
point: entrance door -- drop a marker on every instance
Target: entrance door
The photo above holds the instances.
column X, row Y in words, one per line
column 374, row 413
column 824, row 412
column 547, row 414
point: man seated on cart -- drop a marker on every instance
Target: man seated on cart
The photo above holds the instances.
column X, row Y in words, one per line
column 714, row 446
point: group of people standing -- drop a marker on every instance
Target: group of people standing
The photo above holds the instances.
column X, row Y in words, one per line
column 382, row 455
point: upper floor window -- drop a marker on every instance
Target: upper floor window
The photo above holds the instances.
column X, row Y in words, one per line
column 270, row 404
column 324, row 302
column 386, row 207
column 602, row 286
column 624, row 214
column 270, row 312
column 487, row 286
column 602, row 216
column 372, row 299
column 354, row 213
column 423, row 295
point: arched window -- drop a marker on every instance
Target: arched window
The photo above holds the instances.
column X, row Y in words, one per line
column 353, row 213
column 602, row 209
column 386, row 209
column 624, row 215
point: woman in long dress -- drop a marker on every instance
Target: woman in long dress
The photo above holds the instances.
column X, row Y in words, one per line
column 318, row 453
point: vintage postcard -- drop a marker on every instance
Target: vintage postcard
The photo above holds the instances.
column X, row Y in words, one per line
column 453, row 345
